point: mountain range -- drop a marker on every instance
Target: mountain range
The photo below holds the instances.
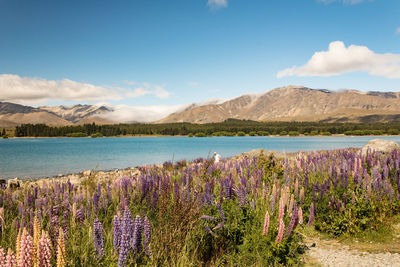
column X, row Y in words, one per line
column 291, row 103
column 297, row 103
column 14, row 114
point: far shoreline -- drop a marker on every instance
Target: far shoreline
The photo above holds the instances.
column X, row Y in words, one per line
column 158, row 135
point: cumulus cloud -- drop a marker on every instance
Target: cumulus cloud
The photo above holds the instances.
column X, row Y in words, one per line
column 216, row 4
column 340, row 59
column 35, row 91
column 126, row 114
column 348, row 2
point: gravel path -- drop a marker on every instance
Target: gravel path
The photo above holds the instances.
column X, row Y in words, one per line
column 332, row 253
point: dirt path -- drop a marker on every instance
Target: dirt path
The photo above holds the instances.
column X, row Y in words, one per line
column 333, row 253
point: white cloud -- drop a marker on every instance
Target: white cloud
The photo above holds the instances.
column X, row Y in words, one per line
column 216, row 4
column 398, row 30
column 37, row 91
column 347, row 2
column 340, row 59
column 148, row 89
column 126, row 114
column 193, row 84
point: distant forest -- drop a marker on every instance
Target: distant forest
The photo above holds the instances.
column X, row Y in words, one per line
column 230, row 127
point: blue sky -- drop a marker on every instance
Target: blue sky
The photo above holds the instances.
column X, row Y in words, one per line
column 171, row 52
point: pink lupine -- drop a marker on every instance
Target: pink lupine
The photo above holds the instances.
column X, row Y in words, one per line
column 281, row 210
column 300, row 215
column 266, row 223
column 11, row 259
column 2, row 257
column 280, row 231
column 45, row 250
column 26, row 250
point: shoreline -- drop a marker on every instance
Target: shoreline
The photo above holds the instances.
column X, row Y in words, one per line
column 106, row 175
column 154, row 135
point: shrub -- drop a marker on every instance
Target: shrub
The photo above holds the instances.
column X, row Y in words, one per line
column 283, row 133
column 252, row 133
column 240, row 134
column 95, row 135
column 262, row 133
column 294, row 133
column 393, row 131
column 78, row 134
column 200, row 134
column 326, row 133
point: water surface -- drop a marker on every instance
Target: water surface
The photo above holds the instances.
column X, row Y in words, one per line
column 46, row 157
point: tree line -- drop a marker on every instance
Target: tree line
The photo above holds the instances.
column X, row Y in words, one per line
column 229, row 127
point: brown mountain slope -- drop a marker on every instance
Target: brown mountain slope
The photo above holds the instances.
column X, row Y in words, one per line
column 34, row 117
column 300, row 104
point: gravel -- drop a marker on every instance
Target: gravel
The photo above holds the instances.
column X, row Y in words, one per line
column 334, row 254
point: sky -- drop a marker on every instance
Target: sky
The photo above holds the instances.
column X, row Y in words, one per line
column 156, row 56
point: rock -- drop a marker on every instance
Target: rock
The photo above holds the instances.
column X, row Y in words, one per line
column 87, row 173
column 3, row 183
column 14, row 183
column 380, row 145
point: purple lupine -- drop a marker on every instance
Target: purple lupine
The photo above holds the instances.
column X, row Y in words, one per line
column 221, row 212
column 311, row 218
column 123, row 250
column 293, row 221
column 137, row 234
column 117, row 232
column 146, row 230
column 220, row 225
column 208, row 229
column 208, row 218
column 98, row 237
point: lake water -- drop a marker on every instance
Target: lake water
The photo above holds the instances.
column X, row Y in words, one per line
column 46, row 157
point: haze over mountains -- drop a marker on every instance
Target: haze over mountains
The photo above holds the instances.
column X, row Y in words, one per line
column 292, row 103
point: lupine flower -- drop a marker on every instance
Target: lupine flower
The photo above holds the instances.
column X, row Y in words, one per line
column 209, row 218
column 293, row 221
column 123, row 250
column 146, row 228
column 61, row 253
column 18, row 244
column 311, row 218
column 26, row 250
column 11, row 260
column 266, row 223
column 45, row 250
column 280, row 231
column 98, row 234
column 2, row 257
column 117, row 232
column 221, row 212
column 220, row 225
column 300, row 215
column 137, row 234
column 36, row 239
column 281, row 210
column 208, row 229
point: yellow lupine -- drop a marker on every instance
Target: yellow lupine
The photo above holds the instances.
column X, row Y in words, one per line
column 61, row 249
column 36, row 240
column 18, row 243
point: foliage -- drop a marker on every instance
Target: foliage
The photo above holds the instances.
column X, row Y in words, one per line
column 238, row 212
column 231, row 126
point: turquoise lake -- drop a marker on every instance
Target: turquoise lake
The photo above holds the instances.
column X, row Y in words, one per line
column 46, row 157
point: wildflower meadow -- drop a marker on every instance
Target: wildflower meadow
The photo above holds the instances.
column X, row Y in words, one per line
column 247, row 211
